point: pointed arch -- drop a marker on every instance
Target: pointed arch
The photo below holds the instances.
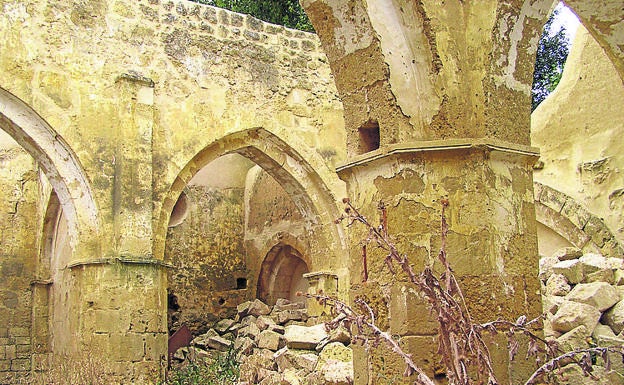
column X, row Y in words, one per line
column 58, row 162
column 305, row 187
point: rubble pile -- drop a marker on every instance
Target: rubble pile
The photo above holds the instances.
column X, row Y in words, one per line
column 277, row 345
column 583, row 299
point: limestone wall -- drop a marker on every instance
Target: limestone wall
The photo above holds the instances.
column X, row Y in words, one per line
column 18, row 206
column 577, row 129
column 122, row 103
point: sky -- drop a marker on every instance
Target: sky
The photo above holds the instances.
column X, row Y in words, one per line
column 567, row 19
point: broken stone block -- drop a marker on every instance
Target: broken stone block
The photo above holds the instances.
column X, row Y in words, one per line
column 291, row 377
column 284, row 304
column 263, row 322
column 593, row 262
column 545, row 267
column 551, row 304
column 255, row 308
column 557, row 284
column 600, row 295
column 285, row 316
column 571, row 269
column 607, row 275
column 567, row 253
column 273, row 378
column 252, row 331
column 618, row 277
column 180, row 354
column 270, row 340
column 223, row 326
column 335, row 364
column 340, row 334
column 574, row 314
column 244, row 345
column 304, row 337
column 202, row 340
column 614, row 317
column 248, row 320
column 295, row 359
column 279, row 329
column 576, row 338
column 219, row 343
column 615, row 263
column 602, row 331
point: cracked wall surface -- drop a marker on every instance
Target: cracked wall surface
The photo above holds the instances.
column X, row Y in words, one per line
column 122, row 104
column 576, row 128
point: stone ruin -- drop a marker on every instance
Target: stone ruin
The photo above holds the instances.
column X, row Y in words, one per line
column 276, row 345
column 166, row 161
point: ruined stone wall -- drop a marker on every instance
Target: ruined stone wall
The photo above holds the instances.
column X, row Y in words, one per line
column 207, row 255
column 577, row 129
column 134, row 91
column 18, row 207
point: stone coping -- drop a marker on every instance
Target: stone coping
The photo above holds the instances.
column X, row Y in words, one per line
column 122, row 260
column 439, row 145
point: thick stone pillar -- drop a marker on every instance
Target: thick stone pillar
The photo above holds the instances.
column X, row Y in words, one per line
column 437, row 105
column 492, row 243
column 121, row 297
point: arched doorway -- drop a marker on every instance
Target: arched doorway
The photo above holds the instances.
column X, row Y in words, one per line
column 281, row 275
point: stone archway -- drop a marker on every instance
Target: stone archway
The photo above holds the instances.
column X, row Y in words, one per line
column 307, row 190
column 58, row 162
column 281, row 275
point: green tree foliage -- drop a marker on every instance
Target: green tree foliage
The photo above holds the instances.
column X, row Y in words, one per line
column 283, row 12
column 552, row 52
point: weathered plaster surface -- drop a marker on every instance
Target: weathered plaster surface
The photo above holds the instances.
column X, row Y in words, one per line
column 576, row 129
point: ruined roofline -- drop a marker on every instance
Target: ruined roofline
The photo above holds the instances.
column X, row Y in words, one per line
column 223, row 23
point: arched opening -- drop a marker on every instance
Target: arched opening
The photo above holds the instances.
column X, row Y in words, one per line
column 239, row 199
column 281, row 275
column 40, row 239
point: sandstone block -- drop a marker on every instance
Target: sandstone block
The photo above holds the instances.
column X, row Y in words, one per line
column 574, row 339
column 263, row 322
column 285, row 316
column 292, row 377
column 224, row 325
column 546, row 267
column 557, row 285
column 270, row 340
column 614, row 317
column 567, row 253
column 602, row 330
column 571, row 269
column 551, row 304
column 295, row 359
column 252, row 331
column 600, row 295
column 255, row 308
column 219, row 343
column 574, row 314
column 202, row 340
column 304, row 337
column 244, row 345
column 607, row 275
column 337, row 372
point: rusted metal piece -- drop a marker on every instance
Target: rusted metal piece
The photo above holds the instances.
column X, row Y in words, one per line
column 181, row 338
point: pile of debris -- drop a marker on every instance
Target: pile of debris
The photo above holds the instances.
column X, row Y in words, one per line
column 583, row 298
column 277, row 345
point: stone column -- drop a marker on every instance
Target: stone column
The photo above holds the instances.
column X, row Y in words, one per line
column 437, row 105
column 492, row 244
column 122, row 298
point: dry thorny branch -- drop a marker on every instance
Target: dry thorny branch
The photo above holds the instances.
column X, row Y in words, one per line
column 462, row 341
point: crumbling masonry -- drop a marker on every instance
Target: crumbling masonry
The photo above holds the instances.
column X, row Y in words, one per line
column 166, row 161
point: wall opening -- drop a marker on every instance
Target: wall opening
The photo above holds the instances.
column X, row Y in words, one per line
column 369, row 137
column 178, row 215
column 281, row 275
